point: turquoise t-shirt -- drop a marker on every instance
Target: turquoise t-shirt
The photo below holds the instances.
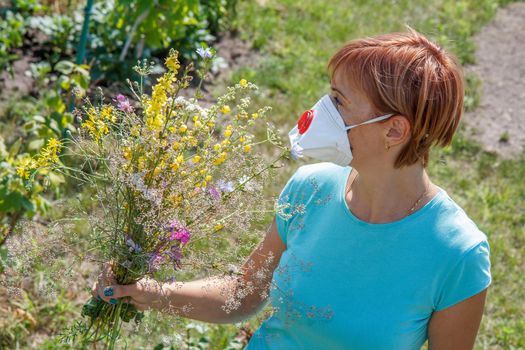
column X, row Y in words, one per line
column 343, row 283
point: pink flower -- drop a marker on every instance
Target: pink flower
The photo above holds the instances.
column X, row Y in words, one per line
column 123, row 103
column 182, row 235
column 125, row 107
column 178, row 232
column 121, row 98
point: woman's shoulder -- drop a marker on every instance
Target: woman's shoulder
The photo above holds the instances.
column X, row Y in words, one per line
column 314, row 181
column 322, row 172
column 454, row 228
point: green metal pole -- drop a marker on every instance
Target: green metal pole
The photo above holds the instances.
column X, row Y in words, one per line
column 81, row 48
column 81, row 53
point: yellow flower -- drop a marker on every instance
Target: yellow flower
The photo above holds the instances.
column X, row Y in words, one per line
column 196, row 159
column 242, row 139
column 135, row 130
column 243, row 83
column 208, row 178
column 195, row 118
column 255, row 115
column 183, row 128
column 174, row 166
column 180, row 159
column 183, row 173
column 198, row 124
column 225, row 143
column 155, row 122
column 176, row 145
column 217, row 147
column 222, row 157
column 159, row 168
column 127, row 153
column 141, row 163
column 107, row 113
column 172, row 62
column 218, row 227
column 203, row 171
column 247, row 148
column 225, row 109
column 54, row 144
column 95, row 125
column 176, row 199
column 193, row 141
column 228, row 131
column 23, row 170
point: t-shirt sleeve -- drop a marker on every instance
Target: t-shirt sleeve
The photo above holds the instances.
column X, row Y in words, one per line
column 470, row 276
column 286, row 206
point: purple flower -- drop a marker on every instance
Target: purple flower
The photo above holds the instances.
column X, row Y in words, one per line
column 154, row 262
column 214, row 193
column 296, row 151
column 175, row 255
column 204, row 53
column 225, row 186
column 132, row 245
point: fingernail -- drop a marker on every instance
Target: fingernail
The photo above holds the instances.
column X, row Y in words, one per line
column 113, row 301
column 108, row 291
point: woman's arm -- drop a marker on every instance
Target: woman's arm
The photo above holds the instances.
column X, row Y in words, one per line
column 221, row 299
column 456, row 327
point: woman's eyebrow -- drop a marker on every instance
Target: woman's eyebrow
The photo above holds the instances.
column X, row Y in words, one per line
column 340, row 93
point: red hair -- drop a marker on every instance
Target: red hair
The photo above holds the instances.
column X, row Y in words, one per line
column 407, row 74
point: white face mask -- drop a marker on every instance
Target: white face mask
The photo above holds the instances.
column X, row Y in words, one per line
column 321, row 133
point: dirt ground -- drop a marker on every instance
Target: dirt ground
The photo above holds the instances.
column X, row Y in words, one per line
column 499, row 121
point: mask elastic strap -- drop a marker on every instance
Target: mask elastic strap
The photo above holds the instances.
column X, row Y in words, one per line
column 377, row 119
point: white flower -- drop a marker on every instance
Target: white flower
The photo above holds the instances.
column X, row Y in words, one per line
column 248, row 185
column 225, row 186
column 204, row 53
column 296, row 151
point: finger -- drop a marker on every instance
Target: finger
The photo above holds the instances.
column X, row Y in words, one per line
column 139, row 306
column 111, row 293
column 94, row 289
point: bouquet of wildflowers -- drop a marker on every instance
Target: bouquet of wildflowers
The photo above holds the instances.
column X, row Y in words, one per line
column 171, row 178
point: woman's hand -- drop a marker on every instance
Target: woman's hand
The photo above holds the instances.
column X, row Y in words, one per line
column 144, row 294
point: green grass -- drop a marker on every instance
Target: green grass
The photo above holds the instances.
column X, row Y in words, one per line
column 295, row 39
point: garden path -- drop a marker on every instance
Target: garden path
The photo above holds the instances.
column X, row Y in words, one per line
column 498, row 123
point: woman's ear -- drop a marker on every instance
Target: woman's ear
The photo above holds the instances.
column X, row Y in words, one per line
column 398, row 130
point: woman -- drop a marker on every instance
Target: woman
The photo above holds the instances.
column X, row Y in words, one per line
column 368, row 256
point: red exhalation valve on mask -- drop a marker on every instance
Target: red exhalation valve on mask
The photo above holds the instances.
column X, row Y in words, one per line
column 304, row 122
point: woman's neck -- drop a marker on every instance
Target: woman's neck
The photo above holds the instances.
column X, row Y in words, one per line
column 389, row 195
